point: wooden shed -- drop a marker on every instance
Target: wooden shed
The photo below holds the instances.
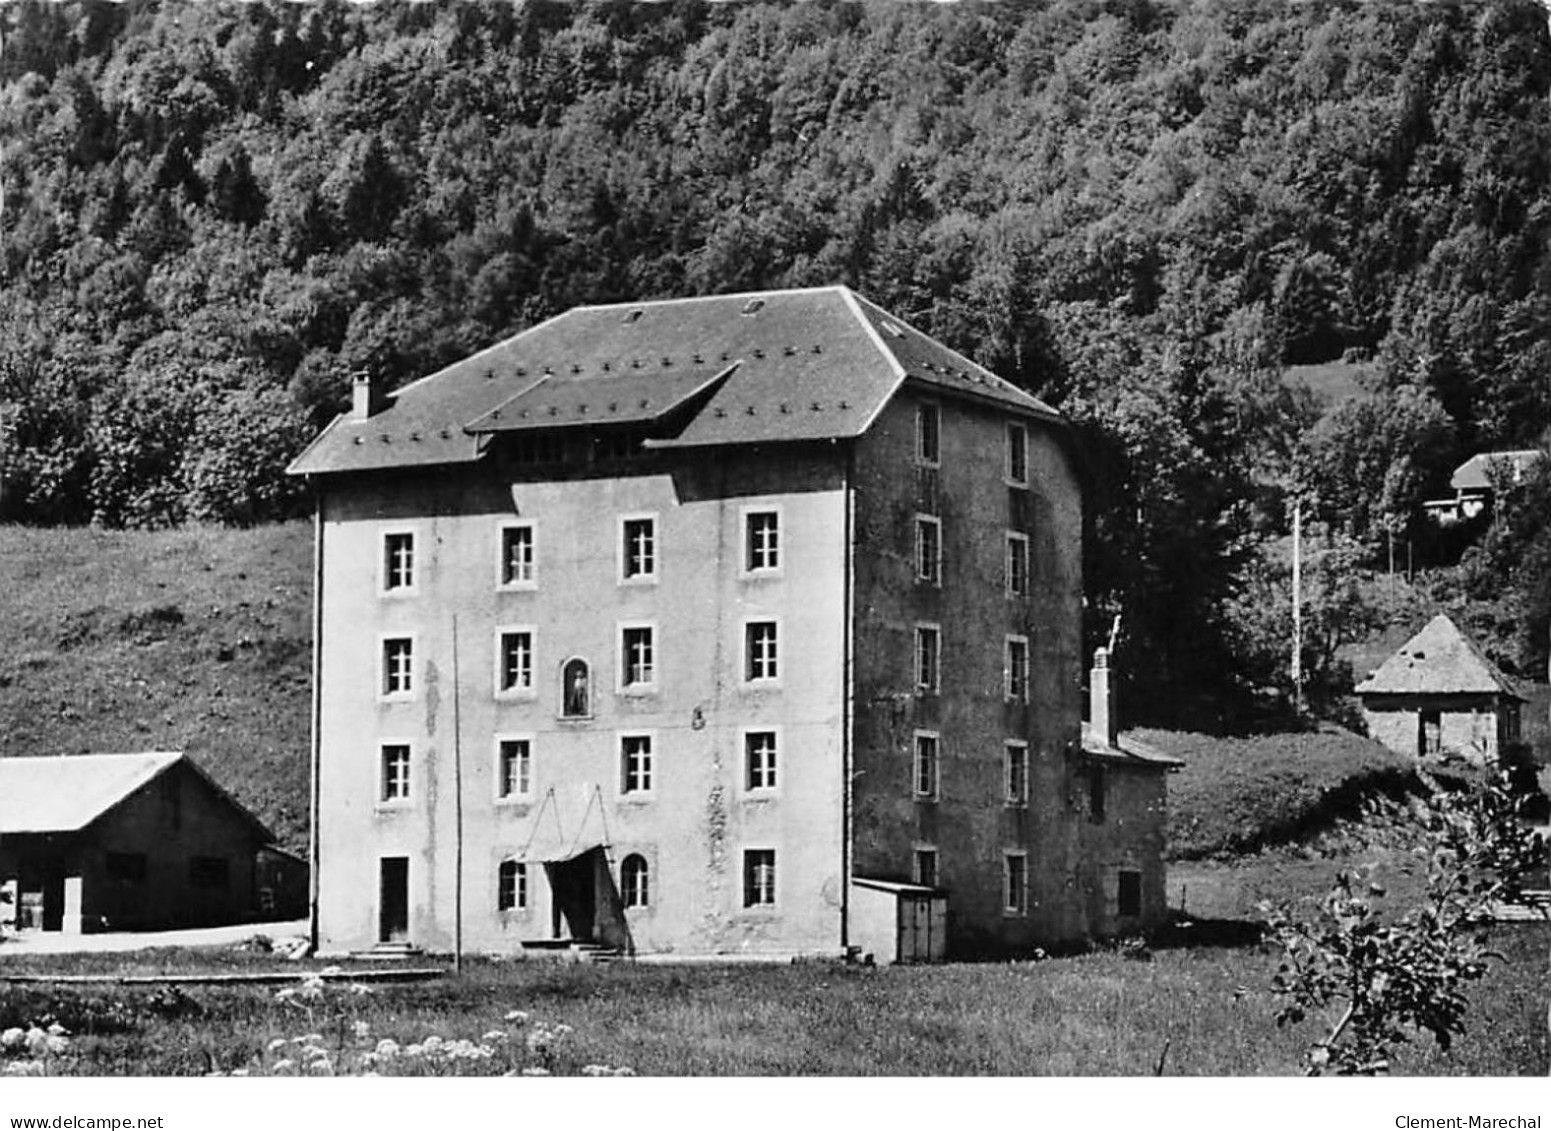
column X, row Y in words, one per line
column 108, row 842
column 899, row 922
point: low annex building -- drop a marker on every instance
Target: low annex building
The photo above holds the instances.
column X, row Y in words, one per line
column 747, row 624
column 110, row 842
column 1439, row 696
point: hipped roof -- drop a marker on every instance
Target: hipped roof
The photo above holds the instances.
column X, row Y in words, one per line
column 763, row 367
column 65, row 794
column 1439, row 660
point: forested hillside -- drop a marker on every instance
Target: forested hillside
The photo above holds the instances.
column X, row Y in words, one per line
column 215, row 213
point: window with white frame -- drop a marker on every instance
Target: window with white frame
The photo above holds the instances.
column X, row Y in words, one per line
column 635, row 763
column 1017, row 669
column 928, row 659
column 1017, row 455
column 1016, row 762
column 1017, row 564
column 926, row 867
column 1015, row 885
column 760, row 656
column 398, row 561
column 514, row 668
column 519, row 555
column 928, row 550
column 395, row 772
column 398, row 663
column 759, row 760
column 637, row 658
column 761, row 541
column 759, row 877
column 928, row 434
column 926, row 768
column 638, row 553
column 634, row 881
column 511, row 886
column 514, row 769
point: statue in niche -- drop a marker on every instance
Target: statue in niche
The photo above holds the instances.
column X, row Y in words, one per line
column 574, row 690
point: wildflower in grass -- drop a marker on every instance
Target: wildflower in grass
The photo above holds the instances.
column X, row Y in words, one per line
column 362, row 1030
column 307, row 1039
column 37, row 1041
column 286, row 995
column 13, row 1038
column 284, row 1064
column 57, row 1030
column 517, row 1016
column 387, row 1048
column 535, row 1071
column 311, row 989
column 278, row 1043
column 360, row 989
column 57, row 1045
column 23, row 1068
column 494, row 1036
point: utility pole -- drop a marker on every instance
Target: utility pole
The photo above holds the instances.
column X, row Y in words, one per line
column 457, row 803
column 1297, row 608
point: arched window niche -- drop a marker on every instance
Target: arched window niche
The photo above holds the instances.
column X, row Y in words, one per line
column 575, row 690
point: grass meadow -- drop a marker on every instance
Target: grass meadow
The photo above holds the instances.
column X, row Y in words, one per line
column 1201, row 1004
column 1206, row 1011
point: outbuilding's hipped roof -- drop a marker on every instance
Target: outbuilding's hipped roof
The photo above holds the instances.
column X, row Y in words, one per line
column 1439, row 660
column 764, row 367
column 65, row 794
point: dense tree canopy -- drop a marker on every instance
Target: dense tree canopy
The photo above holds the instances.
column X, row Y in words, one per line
column 214, row 213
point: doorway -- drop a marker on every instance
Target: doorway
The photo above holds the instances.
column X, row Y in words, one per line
column 573, row 885
column 393, row 900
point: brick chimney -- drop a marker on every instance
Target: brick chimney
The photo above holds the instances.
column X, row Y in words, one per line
column 367, row 396
column 1103, row 720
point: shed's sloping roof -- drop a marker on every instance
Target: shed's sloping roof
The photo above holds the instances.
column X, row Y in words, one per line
column 1475, row 474
column 65, row 794
column 1439, row 660
column 814, row 364
column 1128, row 750
column 61, row 795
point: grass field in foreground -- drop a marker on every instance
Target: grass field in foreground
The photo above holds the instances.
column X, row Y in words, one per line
column 1097, row 1014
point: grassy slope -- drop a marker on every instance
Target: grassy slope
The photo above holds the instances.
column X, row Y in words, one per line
column 1244, row 794
column 195, row 640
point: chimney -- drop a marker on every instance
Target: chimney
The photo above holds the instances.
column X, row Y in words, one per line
column 1102, row 718
column 367, row 396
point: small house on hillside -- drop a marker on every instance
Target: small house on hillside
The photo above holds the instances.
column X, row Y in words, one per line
column 1439, row 695
column 1475, row 481
column 103, row 842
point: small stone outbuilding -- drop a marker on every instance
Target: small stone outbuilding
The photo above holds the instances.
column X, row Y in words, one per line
column 1439, row 696
column 110, row 842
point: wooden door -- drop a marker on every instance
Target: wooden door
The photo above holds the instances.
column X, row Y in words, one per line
column 393, row 900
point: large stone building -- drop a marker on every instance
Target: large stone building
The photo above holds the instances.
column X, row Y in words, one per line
column 699, row 626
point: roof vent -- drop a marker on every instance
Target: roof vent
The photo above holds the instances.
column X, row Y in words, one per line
column 633, row 315
column 891, row 329
column 753, row 306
